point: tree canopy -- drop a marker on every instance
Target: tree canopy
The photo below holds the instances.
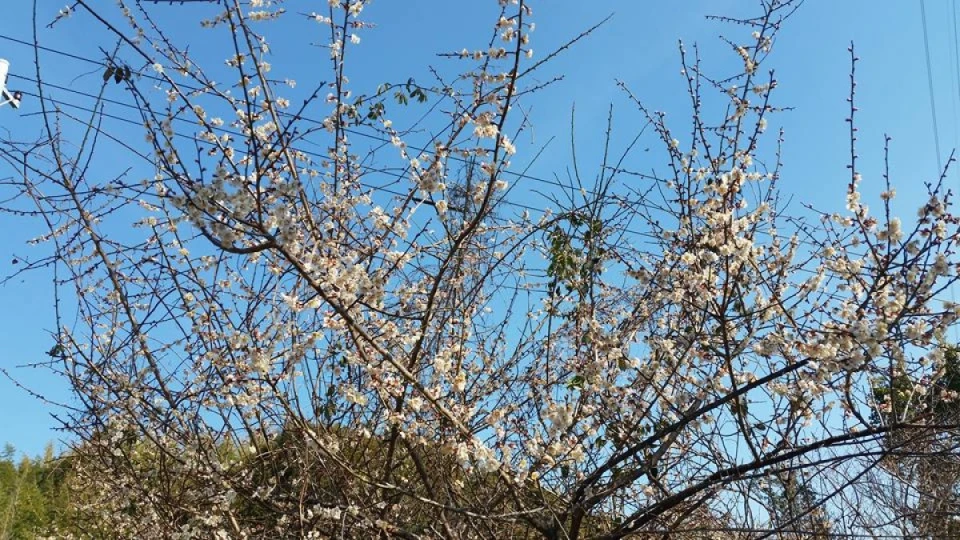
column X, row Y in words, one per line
column 305, row 307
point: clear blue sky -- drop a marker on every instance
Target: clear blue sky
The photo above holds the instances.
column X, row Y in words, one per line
column 639, row 46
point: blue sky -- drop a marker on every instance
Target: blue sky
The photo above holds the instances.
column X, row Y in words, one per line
column 638, row 46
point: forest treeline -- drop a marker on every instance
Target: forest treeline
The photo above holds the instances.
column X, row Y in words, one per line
column 33, row 494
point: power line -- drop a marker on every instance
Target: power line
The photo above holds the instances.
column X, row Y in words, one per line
column 366, row 186
column 306, row 152
column 955, row 50
column 48, row 49
column 372, row 187
column 189, row 87
column 933, row 104
column 87, row 109
column 351, row 131
column 933, row 110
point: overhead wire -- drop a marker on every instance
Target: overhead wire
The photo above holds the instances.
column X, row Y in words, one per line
column 179, row 134
column 314, row 121
column 933, row 114
column 196, row 139
column 351, row 131
column 954, row 79
column 933, row 102
column 366, row 186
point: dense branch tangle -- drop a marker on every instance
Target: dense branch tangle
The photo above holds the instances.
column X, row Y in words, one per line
column 277, row 350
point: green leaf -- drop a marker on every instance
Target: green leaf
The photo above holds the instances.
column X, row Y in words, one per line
column 376, row 111
column 419, row 95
